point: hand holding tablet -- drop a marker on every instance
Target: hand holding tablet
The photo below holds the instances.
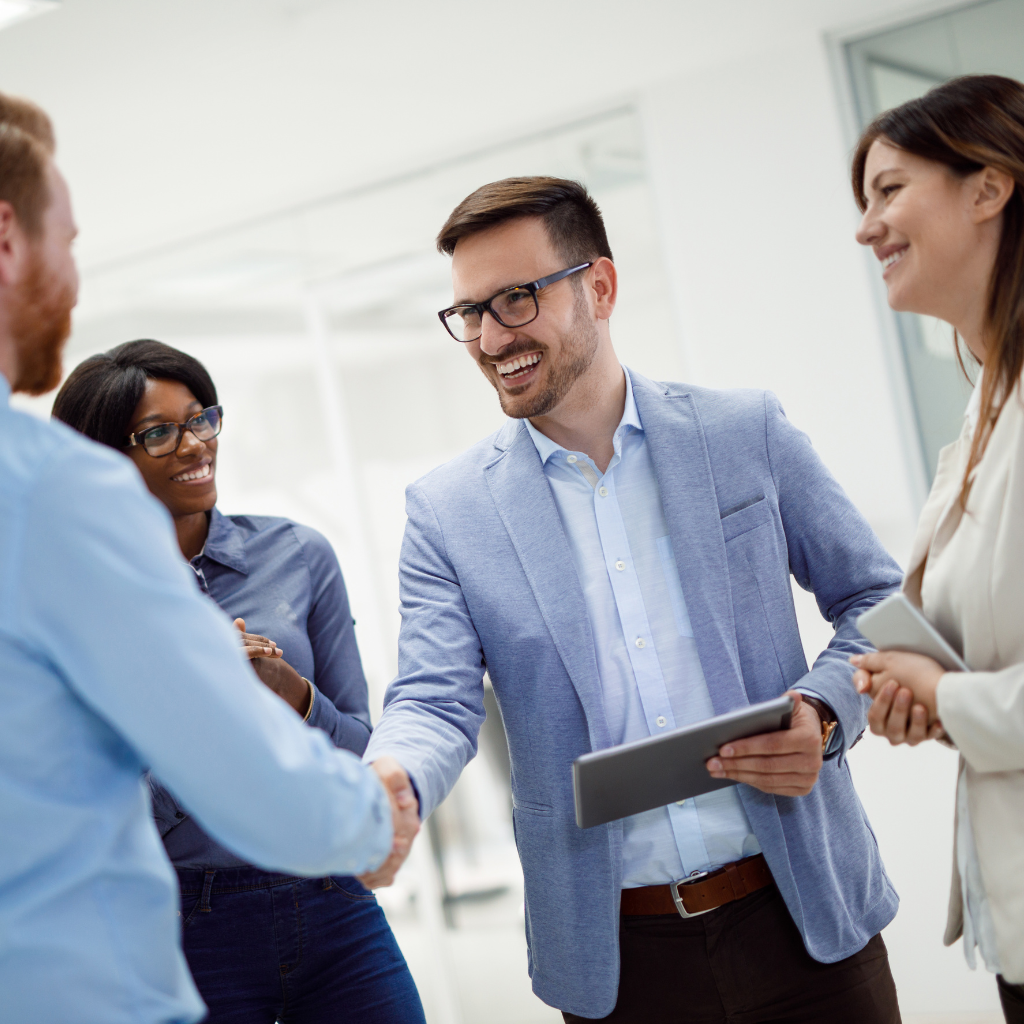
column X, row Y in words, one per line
column 648, row 773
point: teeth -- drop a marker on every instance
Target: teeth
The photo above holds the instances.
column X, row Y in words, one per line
column 198, row 474
column 519, row 363
column 893, row 258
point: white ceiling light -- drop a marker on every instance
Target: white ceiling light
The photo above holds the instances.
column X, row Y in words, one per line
column 17, row 10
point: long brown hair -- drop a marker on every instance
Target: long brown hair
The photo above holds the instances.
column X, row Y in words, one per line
column 968, row 124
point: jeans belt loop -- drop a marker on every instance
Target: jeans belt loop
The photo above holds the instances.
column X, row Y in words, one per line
column 204, row 903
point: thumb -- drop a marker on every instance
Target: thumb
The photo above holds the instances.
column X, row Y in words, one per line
column 240, row 625
column 400, row 787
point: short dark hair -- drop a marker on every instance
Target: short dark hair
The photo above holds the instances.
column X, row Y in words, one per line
column 26, row 145
column 572, row 218
column 102, row 392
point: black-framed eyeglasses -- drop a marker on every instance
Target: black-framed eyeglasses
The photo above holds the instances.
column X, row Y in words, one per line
column 511, row 307
column 164, row 438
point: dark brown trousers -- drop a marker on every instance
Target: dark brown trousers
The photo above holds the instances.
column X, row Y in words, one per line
column 744, row 963
column 1012, row 998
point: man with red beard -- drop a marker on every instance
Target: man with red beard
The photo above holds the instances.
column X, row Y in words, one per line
column 111, row 661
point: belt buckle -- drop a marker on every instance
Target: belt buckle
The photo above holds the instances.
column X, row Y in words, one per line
column 677, row 899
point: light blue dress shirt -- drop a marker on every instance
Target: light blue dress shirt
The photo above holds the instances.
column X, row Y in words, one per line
column 111, row 660
column 651, row 677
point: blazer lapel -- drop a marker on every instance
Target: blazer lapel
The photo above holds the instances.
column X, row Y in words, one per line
column 941, row 513
column 527, row 509
column 678, row 450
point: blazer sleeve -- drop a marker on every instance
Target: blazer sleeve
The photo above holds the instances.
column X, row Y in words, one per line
column 983, row 712
column 434, row 708
column 340, row 702
column 833, row 553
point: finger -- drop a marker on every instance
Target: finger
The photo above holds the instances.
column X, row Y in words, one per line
column 862, row 681
column 766, row 765
column 257, row 637
column 240, row 625
column 918, row 730
column 899, row 717
column 936, row 732
column 786, row 741
column 878, row 713
column 790, row 784
column 874, row 661
column 253, row 652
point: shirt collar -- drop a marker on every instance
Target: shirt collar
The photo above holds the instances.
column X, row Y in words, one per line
column 5, row 390
column 630, row 420
column 224, row 543
column 973, row 410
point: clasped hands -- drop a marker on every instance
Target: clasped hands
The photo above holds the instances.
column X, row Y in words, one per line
column 273, row 671
column 904, row 689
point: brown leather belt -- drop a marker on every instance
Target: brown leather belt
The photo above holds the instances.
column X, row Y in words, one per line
column 707, row 892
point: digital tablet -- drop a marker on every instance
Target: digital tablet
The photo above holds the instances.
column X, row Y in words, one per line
column 659, row 770
column 897, row 625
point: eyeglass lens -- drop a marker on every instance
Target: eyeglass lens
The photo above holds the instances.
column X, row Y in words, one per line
column 514, row 308
column 165, row 438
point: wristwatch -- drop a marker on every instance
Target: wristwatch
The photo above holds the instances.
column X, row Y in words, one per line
column 827, row 716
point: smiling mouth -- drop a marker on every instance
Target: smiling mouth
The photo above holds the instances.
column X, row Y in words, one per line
column 892, row 259
column 516, row 369
column 192, row 475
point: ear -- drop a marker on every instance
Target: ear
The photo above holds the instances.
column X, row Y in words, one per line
column 992, row 192
column 11, row 243
column 604, row 280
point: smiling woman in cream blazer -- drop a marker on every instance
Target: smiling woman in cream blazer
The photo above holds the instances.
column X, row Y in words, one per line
column 939, row 181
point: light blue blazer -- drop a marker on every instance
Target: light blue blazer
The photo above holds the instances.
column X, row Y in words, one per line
column 488, row 583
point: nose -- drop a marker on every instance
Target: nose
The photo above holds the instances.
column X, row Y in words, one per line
column 189, row 444
column 494, row 337
column 872, row 229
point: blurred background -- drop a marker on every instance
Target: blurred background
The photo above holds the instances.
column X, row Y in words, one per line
column 259, row 182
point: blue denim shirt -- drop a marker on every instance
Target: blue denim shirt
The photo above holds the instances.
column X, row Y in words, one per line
column 284, row 580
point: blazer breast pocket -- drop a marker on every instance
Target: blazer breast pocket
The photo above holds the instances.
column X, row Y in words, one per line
column 748, row 516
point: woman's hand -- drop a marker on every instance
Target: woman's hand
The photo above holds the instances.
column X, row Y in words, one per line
column 273, row 671
column 904, row 688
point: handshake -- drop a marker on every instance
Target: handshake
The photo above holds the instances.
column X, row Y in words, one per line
column 405, row 817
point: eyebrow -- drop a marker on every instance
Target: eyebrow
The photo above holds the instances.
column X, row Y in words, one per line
column 505, row 288
column 885, row 170
column 159, row 419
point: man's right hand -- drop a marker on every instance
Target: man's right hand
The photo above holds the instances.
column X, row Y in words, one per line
column 405, row 815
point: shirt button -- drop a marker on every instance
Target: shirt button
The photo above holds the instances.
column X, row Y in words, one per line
column 680, row 803
column 662, row 721
column 570, row 458
column 641, row 642
column 603, row 491
column 620, row 565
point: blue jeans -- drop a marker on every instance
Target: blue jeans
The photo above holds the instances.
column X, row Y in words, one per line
column 265, row 948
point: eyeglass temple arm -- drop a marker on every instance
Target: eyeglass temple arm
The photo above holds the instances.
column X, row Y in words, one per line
column 552, row 278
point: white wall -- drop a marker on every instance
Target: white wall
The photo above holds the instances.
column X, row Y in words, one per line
column 175, row 118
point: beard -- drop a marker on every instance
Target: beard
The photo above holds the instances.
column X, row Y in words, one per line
column 575, row 357
column 40, row 323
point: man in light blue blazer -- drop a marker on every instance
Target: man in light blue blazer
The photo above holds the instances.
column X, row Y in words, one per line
column 617, row 558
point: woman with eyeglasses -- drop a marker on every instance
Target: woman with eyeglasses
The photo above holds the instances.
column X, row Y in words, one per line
column 261, row 946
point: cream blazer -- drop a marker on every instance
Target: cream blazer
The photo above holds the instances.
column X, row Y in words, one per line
column 970, row 567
